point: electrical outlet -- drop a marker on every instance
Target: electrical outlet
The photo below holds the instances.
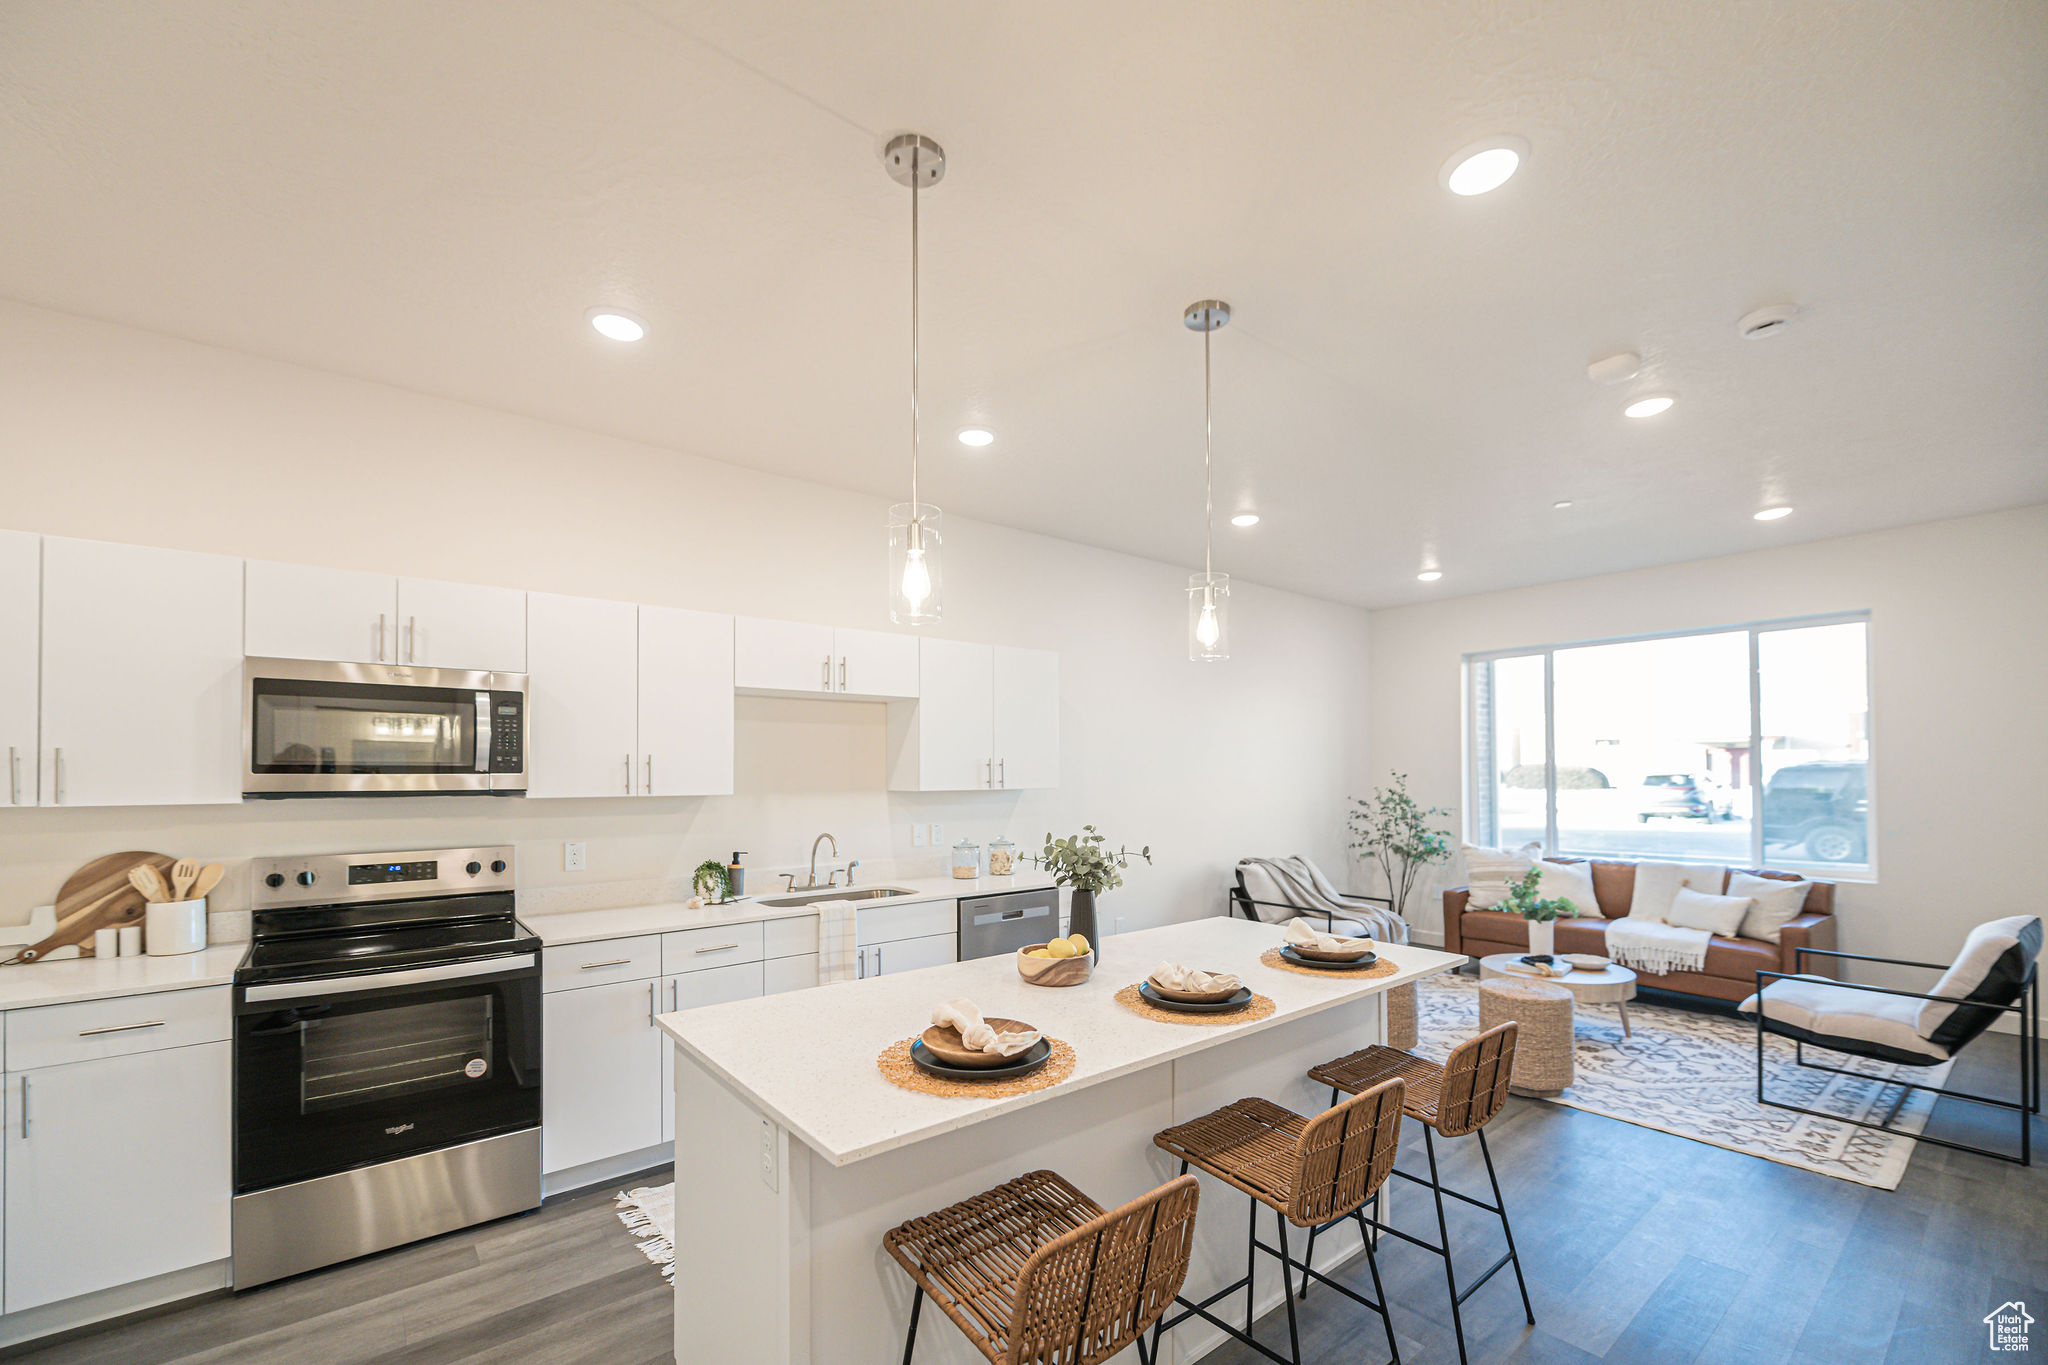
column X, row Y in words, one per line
column 917, row 835
column 768, row 1172
column 938, row 835
column 1117, row 925
column 573, row 856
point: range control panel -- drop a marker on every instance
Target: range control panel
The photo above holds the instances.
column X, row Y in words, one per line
column 336, row 878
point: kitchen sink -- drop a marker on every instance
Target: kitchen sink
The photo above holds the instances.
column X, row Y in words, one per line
column 838, row 893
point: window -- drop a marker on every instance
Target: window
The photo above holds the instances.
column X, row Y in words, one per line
column 1747, row 745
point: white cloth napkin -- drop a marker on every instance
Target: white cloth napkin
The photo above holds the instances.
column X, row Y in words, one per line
column 1176, row 977
column 1301, row 935
column 964, row 1019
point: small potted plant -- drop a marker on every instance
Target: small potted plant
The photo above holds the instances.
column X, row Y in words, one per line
column 1083, row 863
column 1542, row 915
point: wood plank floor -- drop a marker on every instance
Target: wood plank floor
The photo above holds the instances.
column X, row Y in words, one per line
column 1640, row 1247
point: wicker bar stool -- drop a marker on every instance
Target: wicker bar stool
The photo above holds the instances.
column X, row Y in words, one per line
column 1034, row 1272
column 1459, row 1097
column 1311, row 1172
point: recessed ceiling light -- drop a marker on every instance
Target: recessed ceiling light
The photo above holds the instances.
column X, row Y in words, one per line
column 1245, row 519
column 1429, row 575
column 976, row 436
column 1562, row 503
column 1483, row 166
column 617, row 324
column 1650, row 405
column 1773, row 513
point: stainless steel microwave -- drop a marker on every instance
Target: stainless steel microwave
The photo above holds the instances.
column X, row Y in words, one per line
column 313, row 728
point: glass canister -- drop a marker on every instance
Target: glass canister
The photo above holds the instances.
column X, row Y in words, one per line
column 967, row 860
column 1002, row 858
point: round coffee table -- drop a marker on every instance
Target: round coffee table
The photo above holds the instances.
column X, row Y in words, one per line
column 1611, row 985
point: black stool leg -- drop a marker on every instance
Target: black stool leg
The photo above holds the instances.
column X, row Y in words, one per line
column 1443, row 1227
column 1251, row 1264
column 910, row 1342
column 1287, row 1288
column 1379, row 1291
column 1144, row 1356
column 1514, row 1258
column 1308, row 1258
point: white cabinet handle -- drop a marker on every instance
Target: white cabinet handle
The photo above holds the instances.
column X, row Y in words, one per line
column 863, row 972
column 608, row 962
column 24, row 1108
column 842, row 673
column 650, row 1003
column 380, row 637
column 629, row 774
column 119, row 1028
column 1002, row 772
column 14, row 775
column 60, row 774
column 878, row 959
column 716, row 948
column 674, row 994
column 412, row 639
column 650, row 774
column 828, row 672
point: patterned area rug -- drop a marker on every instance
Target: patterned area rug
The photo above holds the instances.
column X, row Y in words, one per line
column 650, row 1214
column 1694, row 1074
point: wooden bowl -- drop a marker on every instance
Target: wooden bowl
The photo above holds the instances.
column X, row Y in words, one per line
column 1193, row 997
column 946, row 1046
column 1053, row 971
column 1365, row 945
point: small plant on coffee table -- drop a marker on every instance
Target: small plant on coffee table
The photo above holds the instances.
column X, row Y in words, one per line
column 1522, row 900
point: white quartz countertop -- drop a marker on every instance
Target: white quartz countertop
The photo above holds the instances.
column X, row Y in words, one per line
column 29, row 984
column 590, row 926
column 807, row 1058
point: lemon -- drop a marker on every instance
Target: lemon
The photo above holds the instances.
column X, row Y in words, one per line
column 1059, row 947
column 1080, row 944
column 1037, row 952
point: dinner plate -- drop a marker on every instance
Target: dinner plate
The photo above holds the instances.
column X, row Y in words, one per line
column 1023, row 1064
column 945, row 1046
column 1318, row 955
column 1156, row 998
column 1587, row 962
column 1320, row 964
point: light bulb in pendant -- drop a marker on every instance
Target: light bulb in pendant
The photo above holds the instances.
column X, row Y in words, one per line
column 917, row 579
column 1206, row 629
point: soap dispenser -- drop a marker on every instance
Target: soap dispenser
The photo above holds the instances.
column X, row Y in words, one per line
column 736, row 876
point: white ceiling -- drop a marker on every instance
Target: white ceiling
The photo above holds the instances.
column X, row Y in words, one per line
column 432, row 194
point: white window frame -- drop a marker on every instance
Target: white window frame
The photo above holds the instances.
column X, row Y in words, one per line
column 1479, row 793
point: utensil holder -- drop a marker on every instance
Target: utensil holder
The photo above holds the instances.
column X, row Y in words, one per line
column 174, row 927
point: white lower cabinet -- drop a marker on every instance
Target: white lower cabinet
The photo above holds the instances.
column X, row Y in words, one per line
column 779, row 974
column 117, row 1169
column 600, row 1072
column 909, row 954
column 686, row 991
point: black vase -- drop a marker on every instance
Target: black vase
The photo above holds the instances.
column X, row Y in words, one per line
column 1081, row 920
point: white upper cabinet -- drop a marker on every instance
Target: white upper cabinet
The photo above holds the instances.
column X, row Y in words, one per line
column 141, row 676
column 783, row 656
column 874, row 663
column 21, row 560
column 686, row 707
column 295, row 611
column 582, row 697
column 461, row 625
column 944, row 742
column 1026, row 729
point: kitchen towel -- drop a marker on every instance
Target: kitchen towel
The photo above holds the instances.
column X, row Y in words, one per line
column 965, row 1019
column 838, row 955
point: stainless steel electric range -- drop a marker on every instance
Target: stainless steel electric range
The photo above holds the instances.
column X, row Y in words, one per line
column 387, row 1056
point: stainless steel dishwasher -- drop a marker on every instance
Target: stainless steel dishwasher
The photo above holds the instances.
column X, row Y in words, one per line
column 991, row 926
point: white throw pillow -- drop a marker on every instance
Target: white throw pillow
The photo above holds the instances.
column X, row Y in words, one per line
column 1721, row 915
column 1773, row 902
column 1658, row 883
column 1489, row 870
column 1574, row 882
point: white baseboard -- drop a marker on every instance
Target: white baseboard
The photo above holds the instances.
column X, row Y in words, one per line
column 606, row 1171
column 1428, row 938
column 119, row 1301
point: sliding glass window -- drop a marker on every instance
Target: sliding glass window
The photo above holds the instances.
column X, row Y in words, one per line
column 1750, row 744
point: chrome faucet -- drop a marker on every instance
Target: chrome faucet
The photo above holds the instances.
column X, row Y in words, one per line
column 834, row 878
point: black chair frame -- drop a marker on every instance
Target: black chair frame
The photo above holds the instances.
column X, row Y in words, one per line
column 1242, row 900
column 2028, row 1008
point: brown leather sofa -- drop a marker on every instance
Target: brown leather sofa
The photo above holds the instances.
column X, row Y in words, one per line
column 1731, row 965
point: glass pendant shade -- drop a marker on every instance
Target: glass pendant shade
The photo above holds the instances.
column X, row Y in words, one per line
column 1208, row 617
column 914, row 578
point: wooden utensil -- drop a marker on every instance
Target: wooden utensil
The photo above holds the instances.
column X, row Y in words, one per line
column 150, row 883
column 97, row 896
column 209, row 878
column 945, row 1044
column 184, row 872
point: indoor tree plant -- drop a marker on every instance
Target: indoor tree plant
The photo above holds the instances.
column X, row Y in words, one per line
column 1082, row 862
column 1391, row 831
column 1542, row 915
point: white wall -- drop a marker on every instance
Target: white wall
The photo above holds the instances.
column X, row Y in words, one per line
column 1959, row 704
column 118, row 434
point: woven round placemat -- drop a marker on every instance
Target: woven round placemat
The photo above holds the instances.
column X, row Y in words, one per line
column 1271, row 958
column 899, row 1070
column 1258, row 1008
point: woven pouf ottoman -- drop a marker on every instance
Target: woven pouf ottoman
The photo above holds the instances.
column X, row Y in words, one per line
column 1402, row 1032
column 1543, row 1043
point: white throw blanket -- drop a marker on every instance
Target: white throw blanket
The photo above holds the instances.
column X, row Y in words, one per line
column 1650, row 945
column 975, row 1034
column 1298, row 882
column 838, row 954
column 1301, row 934
column 1176, row 977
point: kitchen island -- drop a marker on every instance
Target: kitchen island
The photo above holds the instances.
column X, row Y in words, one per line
column 793, row 1154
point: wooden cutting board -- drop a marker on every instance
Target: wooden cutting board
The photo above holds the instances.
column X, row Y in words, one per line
column 98, row 896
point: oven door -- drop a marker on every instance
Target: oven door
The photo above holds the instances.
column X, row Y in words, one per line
column 343, row 1072
column 311, row 728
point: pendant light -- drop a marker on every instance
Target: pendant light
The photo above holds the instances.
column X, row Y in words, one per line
column 1208, row 591
column 916, row 161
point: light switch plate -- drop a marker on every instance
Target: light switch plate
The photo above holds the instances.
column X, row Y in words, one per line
column 938, row 835
column 768, row 1171
column 573, row 856
column 917, row 835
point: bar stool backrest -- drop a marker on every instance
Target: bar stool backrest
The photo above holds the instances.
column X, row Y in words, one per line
column 1090, row 1293
column 1346, row 1153
column 1475, row 1083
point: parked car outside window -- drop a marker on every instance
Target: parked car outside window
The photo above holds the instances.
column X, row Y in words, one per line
column 1685, row 796
column 1822, row 807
